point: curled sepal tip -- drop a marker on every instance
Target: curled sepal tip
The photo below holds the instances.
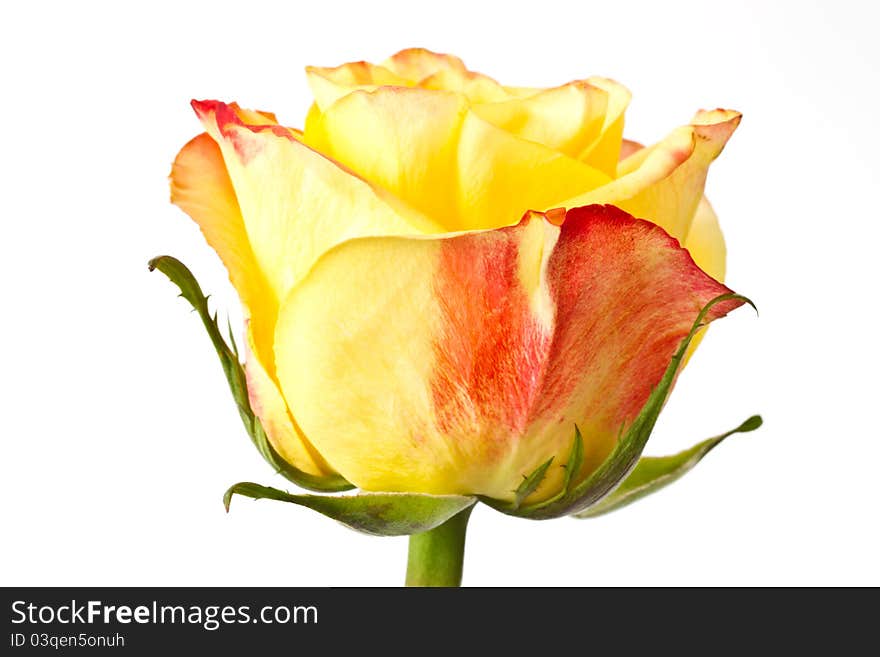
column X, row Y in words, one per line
column 190, row 290
column 653, row 473
column 378, row 514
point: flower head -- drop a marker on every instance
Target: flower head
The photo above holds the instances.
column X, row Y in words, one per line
column 443, row 276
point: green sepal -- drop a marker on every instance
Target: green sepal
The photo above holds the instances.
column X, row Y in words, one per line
column 190, row 290
column 626, row 452
column 530, row 483
column 572, row 468
column 378, row 514
column 575, row 460
column 653, row 473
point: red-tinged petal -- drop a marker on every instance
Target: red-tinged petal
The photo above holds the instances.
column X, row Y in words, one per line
column 458, row 364
column 704, row 241
column 620, row 316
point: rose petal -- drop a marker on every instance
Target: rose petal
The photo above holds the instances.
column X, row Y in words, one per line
column 628, row 147
column 270, row 407
column 476, row 87
column 501, row 176
column 567, row 118
column 604, row 153
column 400, row 139
column 459, row 364
column 583, row 119
column 705, row 241
column 416, row 64
column 295, row 202
column 330, row 84
column 200, row 186
column 430, row 150
column 664, row 183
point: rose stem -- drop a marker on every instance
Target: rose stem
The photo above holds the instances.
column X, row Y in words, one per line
column 436, row 556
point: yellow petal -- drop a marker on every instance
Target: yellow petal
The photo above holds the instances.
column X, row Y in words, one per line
column 604, row 153
column 476, row 87
column 330, row 84
column 295, row 202
column 569, row 118
column 664, row 183
column 200, row 186
column 269, row 405
column 706, row 245
column 628, row 147
column 502, row 176
column 270, row 206
column 430, row 150
column 583, row 119
column 705, row 241
column 401, row 139
column 416, row 64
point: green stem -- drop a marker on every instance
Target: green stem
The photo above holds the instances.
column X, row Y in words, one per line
column 436, row 556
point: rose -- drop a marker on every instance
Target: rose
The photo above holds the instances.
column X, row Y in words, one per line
column 445, row 293
column 434, row 300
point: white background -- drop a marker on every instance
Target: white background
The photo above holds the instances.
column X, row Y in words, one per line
column 118, row 433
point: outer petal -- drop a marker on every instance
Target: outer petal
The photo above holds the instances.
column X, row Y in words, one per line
column 704, row 241
column 471, row 357
column 432, row 151
column 201, row 187
column 293, row 199
column 270, row 206
column 270, row 406
column 664, row 183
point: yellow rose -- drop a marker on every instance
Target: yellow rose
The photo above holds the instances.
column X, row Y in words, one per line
column 434, row 299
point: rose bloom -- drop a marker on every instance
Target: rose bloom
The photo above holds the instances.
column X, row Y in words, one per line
column 435, row 293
